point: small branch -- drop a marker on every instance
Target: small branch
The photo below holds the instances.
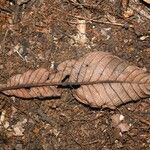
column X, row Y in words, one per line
column 2, row 44
column 106, row 22
column 141, row 119
column 141, row 12
column 3, row 41
column 17, row 13
column 5, row 10
column 87, row 6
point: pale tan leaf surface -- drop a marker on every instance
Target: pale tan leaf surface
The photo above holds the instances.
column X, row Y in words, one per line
column 98, row 79
column 107, row 81
column 26, row 81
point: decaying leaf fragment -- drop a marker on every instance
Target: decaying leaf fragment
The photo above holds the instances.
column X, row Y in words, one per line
column 25, row 85
column 98, row 79
column 119, row 122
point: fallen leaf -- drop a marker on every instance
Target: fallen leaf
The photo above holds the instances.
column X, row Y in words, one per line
column 107, row 81
column 98, row 79
column 26, row 82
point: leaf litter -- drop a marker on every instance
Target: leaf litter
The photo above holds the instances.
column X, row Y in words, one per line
column 49, row 26
column 98, row 79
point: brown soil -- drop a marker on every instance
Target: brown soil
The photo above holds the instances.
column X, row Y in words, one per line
column 37, row 33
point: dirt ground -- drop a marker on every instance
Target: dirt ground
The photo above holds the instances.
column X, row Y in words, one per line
column 40, row 33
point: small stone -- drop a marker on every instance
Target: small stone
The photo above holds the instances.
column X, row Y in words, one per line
column 121, row 117
column 10, row 20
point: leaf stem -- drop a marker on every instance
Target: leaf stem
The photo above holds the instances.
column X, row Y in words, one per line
column 61, row 84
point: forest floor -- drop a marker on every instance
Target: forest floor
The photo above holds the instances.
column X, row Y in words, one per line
column 40, row 33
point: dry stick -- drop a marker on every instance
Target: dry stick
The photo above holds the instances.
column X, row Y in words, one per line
column 141, row 12
column 85, row 5
column 133, row 116
column 3, row 41
column 105, row 22
column 17, row 13
column 74, row 139
column 142, row 120
column 5, row 10
column 97, row 21
column 2, row 46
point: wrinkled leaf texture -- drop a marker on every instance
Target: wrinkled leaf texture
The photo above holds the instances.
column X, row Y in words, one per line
column 28, row 79
column 104, row 81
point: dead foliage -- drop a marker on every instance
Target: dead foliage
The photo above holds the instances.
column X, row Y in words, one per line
column 98, row 79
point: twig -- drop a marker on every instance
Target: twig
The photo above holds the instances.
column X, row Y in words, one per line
column 85, row 5
column 141, row 12
column 74, row 139
column 106, row 22
column 3, row 42
column 17, row 13
column 29, row 4
column 19, row 6
column 6, row 33
column 92, row 142
column 142, row 120
column 97, row 21
column 5, row 10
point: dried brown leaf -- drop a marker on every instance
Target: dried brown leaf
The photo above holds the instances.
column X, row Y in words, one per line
column 98, row 79
column 107, row 81
column 29, row 85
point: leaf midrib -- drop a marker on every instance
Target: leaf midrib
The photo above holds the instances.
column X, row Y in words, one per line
column 65, row 84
